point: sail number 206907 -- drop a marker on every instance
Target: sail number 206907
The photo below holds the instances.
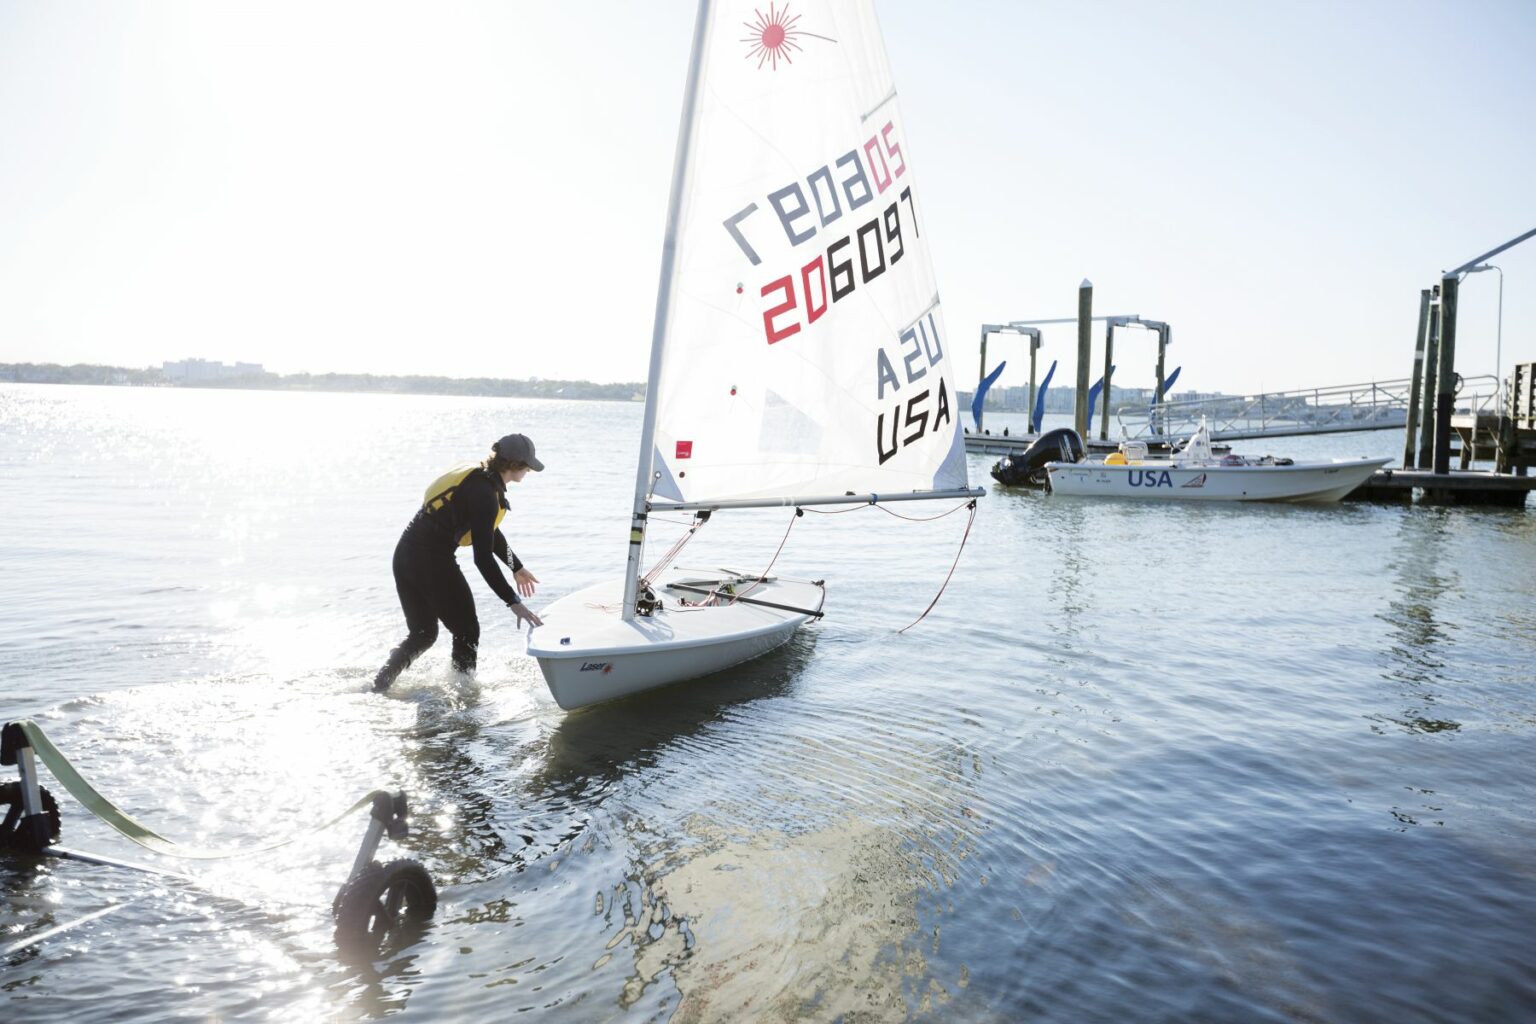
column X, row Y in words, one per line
column 870, row 240
column 860, row 176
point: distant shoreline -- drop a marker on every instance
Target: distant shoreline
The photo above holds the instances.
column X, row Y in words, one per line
column 1060, row 399
column 365, row 383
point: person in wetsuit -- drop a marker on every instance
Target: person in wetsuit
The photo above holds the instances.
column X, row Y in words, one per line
column 431, row 586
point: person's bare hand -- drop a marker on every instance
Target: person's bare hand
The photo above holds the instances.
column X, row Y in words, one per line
column 525, row 582
column 525, row 614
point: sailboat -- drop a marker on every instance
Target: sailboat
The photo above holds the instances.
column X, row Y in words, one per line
column 798, row 353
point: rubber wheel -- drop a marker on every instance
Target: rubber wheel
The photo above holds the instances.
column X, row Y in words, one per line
column 10, row 825
column 381, row 903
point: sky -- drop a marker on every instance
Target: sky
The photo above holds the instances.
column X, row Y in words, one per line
column 479, row 189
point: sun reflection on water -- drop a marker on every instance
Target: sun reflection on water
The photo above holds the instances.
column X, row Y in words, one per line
column 1107, row 751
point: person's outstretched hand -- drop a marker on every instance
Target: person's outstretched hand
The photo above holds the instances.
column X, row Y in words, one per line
column 525, row 582
column 525, row 614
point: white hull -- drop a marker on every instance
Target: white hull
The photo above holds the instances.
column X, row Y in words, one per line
column 590, row 655
column 1162, row 480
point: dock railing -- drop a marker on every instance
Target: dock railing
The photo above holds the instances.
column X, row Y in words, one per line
column 1342, row 408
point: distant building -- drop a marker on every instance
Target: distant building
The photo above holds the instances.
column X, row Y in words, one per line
column 1062, row 398
column 198, row 371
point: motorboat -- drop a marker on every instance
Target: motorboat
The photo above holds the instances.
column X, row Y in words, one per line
column 1027, row 468
column 1194, row 472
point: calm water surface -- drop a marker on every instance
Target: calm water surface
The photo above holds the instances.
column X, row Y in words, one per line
column 1142, row 762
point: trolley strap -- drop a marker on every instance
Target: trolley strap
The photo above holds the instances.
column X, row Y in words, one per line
column 136, row 831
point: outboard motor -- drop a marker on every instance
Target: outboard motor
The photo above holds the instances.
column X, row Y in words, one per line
column 1027, row 469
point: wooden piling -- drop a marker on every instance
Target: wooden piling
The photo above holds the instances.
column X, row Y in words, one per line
column 1163, row 335
column 1445, row 372
column 981, row 411
column 1029, row 410
column 1410, row 449
column 1426, row 456
column 1109, row 358
column 1084, row 354
column 1520, row 450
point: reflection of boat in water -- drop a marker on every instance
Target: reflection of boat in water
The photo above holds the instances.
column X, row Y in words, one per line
column 1196, row 473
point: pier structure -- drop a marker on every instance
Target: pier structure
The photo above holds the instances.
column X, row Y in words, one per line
column 1084, row 354
column 1332, row 409
column 1477, row 419
column 1164, row 338
column 1501, row 432
column 1084, row 321
column 987, row 330
column 1506, row 436
column 1031, row 329
column 1521, row 446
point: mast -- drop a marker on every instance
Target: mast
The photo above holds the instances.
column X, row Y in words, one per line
column 665, row 289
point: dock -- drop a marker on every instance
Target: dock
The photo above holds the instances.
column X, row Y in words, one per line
column 1002, row 444
column 1458, row 487
column 1492, row 421
column 1506, row 438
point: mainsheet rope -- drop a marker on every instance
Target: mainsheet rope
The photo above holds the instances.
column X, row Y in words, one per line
column 78, row 787
column 963, row 538
column 911, row 519
column 677, row 548
column 764, row 574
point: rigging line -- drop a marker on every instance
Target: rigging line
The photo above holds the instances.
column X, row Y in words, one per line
column 672, row 553
column 664, row 561
column 925, row 519
column 871, row 112
column 764, row 574
column 933, row 304
column 678, row 544
column 888, row 511
column 964, row 537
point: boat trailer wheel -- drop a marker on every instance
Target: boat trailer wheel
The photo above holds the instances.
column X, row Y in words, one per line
column 11, row 837
column 381, row 903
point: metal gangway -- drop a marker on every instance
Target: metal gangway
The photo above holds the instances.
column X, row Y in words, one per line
column 1343, row 408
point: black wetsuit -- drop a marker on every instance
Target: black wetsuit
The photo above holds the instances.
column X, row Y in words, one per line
column 428, row 578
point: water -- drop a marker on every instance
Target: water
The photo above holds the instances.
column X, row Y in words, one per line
column 1150, row 762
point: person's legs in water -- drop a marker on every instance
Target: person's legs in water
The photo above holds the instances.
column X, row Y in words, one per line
column 456, row 608
column 420, row 621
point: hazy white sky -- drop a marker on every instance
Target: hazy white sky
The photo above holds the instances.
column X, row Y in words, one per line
column 480, row 188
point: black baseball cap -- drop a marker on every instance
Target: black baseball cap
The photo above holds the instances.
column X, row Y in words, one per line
column 517, row 448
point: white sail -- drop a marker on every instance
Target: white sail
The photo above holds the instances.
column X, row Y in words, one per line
column 798, row 353
column 804, row 349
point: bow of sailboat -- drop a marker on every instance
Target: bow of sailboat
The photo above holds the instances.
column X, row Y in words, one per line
column 704, row 622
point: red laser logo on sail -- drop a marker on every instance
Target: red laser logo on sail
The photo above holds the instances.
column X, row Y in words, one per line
column 773, row 37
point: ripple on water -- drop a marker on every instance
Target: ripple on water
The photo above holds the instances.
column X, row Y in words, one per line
column 1139, row 763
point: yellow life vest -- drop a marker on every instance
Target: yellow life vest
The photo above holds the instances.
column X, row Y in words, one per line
column 440, row 492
